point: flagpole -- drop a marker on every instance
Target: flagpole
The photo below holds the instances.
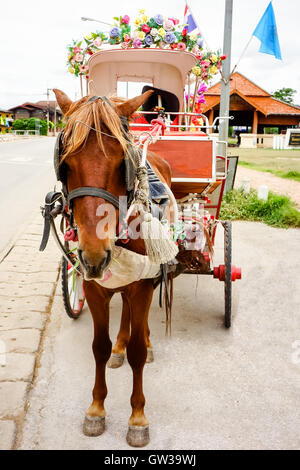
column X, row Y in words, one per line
column 196, row 21
column 225, row 82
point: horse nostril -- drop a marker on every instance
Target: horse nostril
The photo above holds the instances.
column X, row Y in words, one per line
column 108, row 257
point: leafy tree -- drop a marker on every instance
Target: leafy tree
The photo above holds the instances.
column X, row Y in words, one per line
column 285, row 94
column 19, row 124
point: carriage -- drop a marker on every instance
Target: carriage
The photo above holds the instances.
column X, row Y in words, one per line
column 198, row 160
column 181, row 140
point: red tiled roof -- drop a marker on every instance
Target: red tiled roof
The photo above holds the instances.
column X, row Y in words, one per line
column 252, row 94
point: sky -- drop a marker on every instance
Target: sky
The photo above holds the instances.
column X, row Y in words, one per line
column 34, row 36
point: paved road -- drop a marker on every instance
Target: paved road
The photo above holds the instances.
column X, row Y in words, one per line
column 208, row 388
column 26, row 169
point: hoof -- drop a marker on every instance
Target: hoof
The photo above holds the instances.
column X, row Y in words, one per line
column 150, row 355
column 138, row 436
column 93, row 426
column 115, row 361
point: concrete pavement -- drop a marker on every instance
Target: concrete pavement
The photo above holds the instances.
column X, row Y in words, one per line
column 27, row 283
column 208, row 388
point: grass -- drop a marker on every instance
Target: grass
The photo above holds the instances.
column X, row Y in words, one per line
column 282, row 163
column 277, row 211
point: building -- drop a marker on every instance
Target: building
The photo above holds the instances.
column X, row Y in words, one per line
column 37, row 110
column 6, row 119
column 252, row 107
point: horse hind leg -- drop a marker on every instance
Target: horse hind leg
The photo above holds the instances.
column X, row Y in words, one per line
column 119, row 349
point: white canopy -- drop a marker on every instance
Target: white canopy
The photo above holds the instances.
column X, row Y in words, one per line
column 164, row 69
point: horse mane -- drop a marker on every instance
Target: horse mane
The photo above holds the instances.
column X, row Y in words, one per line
column 99, row 115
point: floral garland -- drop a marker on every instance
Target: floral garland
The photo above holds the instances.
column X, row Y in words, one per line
column 155, row 32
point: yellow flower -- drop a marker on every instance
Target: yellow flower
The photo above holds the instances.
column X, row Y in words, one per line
column 71, row 70
column 193, row 36
column 145, row 18
column 196, row 70
column 141, row 35
column 214, row 58
column 141, row 12
column 138, row 21
column 162, row 32
column 213, row 70
column 88, row 37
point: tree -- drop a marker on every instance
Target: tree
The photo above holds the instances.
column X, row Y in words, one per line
column 285, row 94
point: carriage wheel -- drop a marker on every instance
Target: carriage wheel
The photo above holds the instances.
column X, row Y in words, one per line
column 72, row 290
column 228, row 280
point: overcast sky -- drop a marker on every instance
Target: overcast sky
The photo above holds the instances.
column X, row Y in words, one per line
column 34, row 36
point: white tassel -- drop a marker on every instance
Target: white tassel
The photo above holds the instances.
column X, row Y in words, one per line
column 159, row 246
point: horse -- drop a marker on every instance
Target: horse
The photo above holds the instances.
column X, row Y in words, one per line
column 94, row 149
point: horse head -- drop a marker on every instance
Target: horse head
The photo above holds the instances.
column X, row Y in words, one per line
column 94, row 147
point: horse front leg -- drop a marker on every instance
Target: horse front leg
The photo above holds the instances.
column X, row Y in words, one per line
column 98, row 300
column 139, row 297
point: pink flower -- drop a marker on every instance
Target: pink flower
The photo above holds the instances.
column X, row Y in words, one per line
column 181, row 46
column 175, row 20
column 137, row 43
column 127, row 38
column 168, row 25
column 76, row 49
column 146, row 28
column 125, row 19
column 97, row 42
column 125, row 45
column 78, row 57
column 83, row 68
column 205, row 63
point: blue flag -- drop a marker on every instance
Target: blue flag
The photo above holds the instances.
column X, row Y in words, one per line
column 266, row 32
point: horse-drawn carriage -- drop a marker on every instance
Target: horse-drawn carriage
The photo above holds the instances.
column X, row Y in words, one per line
column 174, row 132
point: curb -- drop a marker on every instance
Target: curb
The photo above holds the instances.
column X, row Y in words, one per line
column 28, row 281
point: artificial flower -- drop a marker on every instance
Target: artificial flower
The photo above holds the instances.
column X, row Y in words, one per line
column 138, row 21
column 125, row 19
column 168, row 25
column 77, row 49
column 196, row 70
column 159, row 19
column 175, row 21
column 71, row 70
column 162, row 32
column 83, row 68
column 149, row 40
column 181, row 46
column 142, row 11
column 137, row 43
column 154, row 32
column 200, row 42
column 126, row 37
column 223, row 57
column 97, row 42
column 170, row 38
column 146, row 28
column 125, row 45
column 78, row 57
column 145, row 18
column 88, row 37
column 173, row 46
column 115, row 32
column 214, row 58
column 193, row 36
column 213, row 70
column 141, row 35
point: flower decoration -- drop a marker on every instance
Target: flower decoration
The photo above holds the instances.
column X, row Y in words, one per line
column 146, row 32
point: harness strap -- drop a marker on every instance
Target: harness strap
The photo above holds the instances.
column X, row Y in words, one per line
column 50, row 200
column 96, row 192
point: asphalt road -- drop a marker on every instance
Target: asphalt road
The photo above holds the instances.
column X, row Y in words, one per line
column 26, row 169
column 209, row 388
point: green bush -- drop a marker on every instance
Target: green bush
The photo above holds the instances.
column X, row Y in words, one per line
column 277, row 211
column 31, row 124
column 19, row 124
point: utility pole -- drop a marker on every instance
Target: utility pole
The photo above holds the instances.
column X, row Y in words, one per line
column 225, row 83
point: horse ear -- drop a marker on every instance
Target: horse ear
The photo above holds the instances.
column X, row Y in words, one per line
column 63, row 100
column 129, row 107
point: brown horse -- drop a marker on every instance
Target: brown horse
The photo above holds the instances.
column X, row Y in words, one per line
column 94, row 150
